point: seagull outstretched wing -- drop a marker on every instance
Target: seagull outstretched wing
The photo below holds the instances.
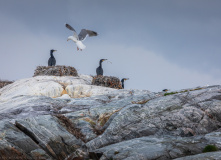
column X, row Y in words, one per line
column 84, row 33
column 72, row 29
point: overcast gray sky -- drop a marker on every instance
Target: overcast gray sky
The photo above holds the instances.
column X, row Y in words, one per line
column 158, row 44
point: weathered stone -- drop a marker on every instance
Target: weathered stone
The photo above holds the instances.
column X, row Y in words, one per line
column 26, row 106
column 47, row 132
column 51, row 86
column 168, row 115
column 14, row 144
column 79, row 91
column 139, row 123
column 152, row 148
column 203, row 156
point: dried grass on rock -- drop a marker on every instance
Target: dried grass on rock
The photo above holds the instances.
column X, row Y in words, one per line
column 55, row 71
column 106, row 81
column 4, row 83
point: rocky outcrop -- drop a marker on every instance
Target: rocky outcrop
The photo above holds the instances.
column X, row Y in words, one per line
column 151, row 147
column 103, row 123
column 203, row 156
column 14, row 144
column 52, row 86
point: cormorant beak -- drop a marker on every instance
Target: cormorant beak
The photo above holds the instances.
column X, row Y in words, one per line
column 126, row 79
column 55, row 50
column 104, row 60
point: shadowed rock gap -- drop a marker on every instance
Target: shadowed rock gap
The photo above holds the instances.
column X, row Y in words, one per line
column 70, row 127
column 32, row 136
column 26, row 132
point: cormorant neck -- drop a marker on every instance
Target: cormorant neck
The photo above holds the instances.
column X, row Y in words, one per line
column 122, row 84
column 100, row 64
column 51, row 54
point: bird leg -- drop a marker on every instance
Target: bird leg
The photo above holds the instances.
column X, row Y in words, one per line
column 77, row 48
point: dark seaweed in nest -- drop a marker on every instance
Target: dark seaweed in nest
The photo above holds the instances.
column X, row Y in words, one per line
column 106, row 81
column 3, row 83
column 55, row 71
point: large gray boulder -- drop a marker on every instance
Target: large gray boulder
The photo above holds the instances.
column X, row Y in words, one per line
column 160, row 148
column 14, row 144
column 184, row 114
column 97, row 122
column 203, row 156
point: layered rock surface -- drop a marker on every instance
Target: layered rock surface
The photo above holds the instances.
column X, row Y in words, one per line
column 48, row 117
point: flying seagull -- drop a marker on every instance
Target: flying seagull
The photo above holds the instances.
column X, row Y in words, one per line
column 79, row 38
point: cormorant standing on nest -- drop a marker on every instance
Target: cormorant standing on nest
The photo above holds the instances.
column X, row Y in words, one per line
column 52, row 60
column 122, row 82
column 99, row 69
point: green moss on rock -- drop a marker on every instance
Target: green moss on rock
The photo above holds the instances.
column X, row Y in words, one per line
column 170, row 93
column 210, row 148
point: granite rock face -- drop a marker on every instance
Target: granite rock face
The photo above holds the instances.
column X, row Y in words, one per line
column 15, row 144
column 38, row 121
column 203, row 156
column 162, row 148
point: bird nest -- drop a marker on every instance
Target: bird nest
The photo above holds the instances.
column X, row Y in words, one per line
column 4, row 83
column 55, row 71
column 112, row 82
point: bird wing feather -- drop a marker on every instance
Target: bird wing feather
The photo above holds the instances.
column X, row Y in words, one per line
column 72, row 29
column 84, row 33
column 91, row 33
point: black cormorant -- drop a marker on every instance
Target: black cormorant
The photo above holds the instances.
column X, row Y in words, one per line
column 52, row 60
column 165, row 90
column 122, row 82
column 99, row 69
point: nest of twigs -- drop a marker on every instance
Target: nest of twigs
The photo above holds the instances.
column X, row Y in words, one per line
column 106, row 81
column 4, row 83
column 55, row 71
